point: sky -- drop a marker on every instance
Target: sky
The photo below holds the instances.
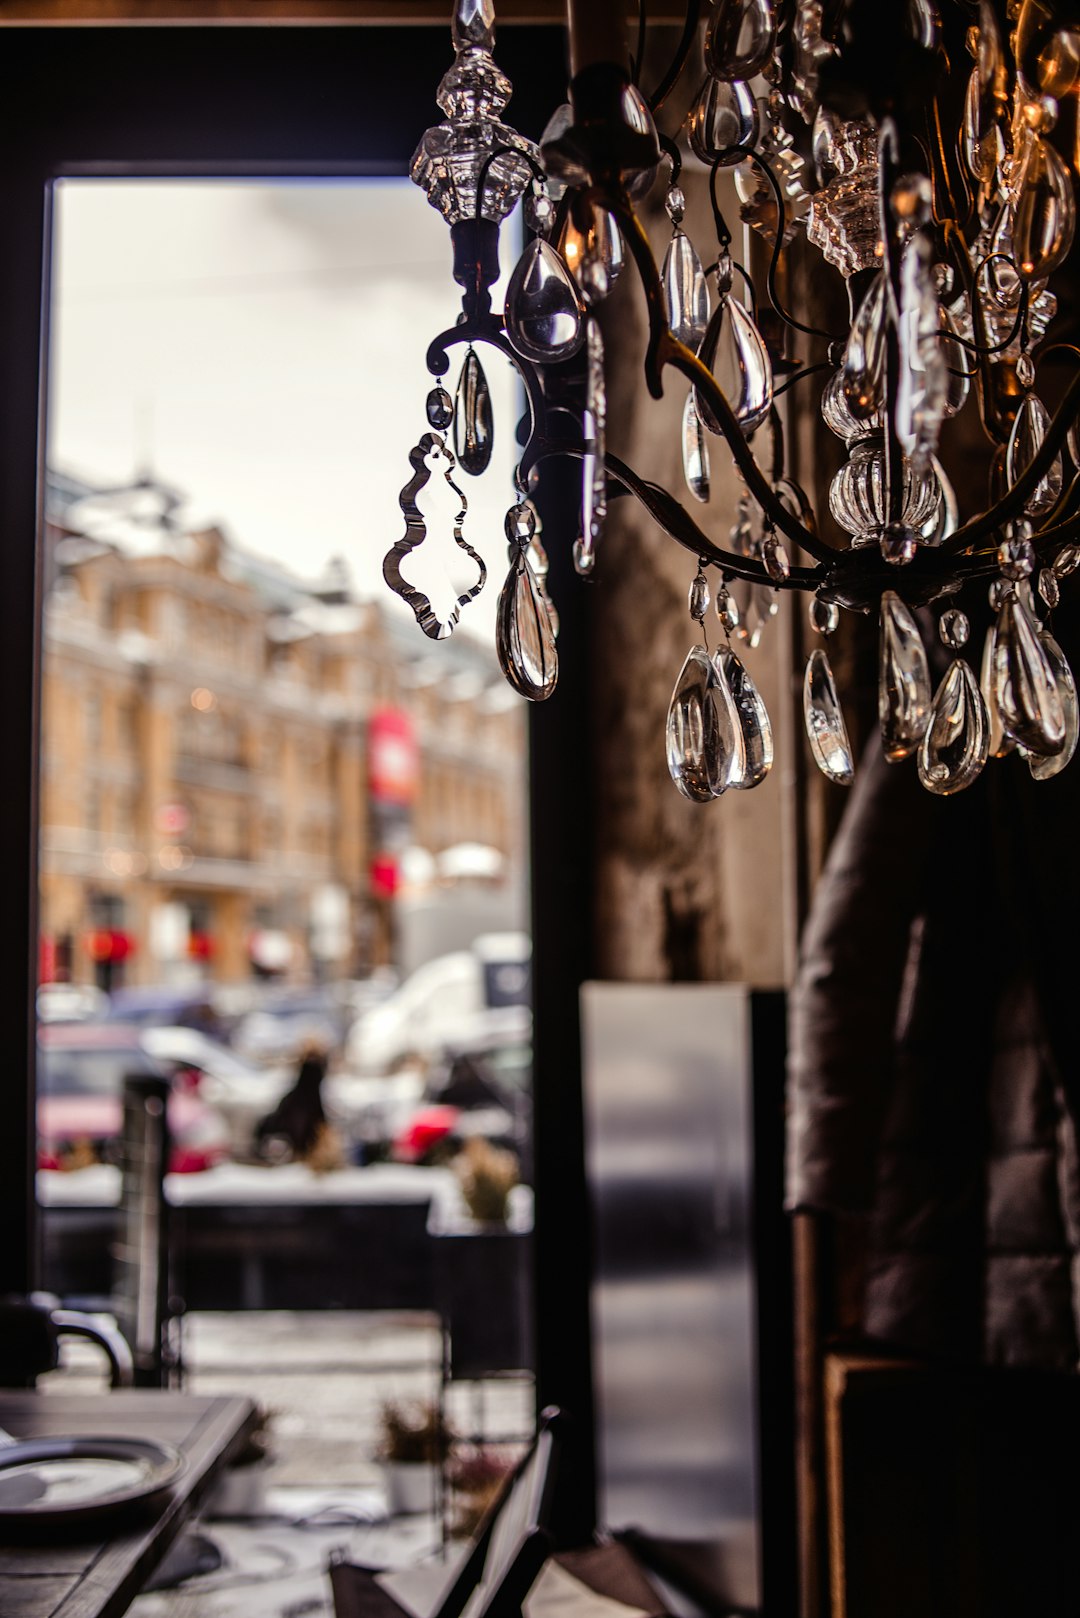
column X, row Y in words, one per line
column 260, row 346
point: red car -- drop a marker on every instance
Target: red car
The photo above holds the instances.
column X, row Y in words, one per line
column 81, row 1073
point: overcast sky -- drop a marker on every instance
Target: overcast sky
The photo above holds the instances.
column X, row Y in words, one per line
column 261, row 347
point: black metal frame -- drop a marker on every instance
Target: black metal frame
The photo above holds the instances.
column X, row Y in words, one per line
column 243, row 102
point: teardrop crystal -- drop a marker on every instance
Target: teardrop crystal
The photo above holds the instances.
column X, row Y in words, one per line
column 473, row 424
column 903, row 679
column 594, row 256
column 1025, row 690
column 863, row 370
column 1043, row 212
column 1045, row 766
column 695, row 451
column 735, row 352
column 1000, row 742
column 1028, row 431
column 739, row 38
column 704, row 738
column 685, row 292
column 725, row 118
column 525, row 635
column 825, row 725
column 753, row 718
column 544, row 310
column 957, row 740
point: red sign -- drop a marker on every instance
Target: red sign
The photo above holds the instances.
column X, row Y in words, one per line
column 393, row 757
column 384, row 876
column 107, row 944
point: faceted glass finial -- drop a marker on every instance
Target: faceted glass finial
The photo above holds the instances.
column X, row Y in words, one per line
column 473, row 23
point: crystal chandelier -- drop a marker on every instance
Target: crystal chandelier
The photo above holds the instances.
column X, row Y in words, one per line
column 913, row 146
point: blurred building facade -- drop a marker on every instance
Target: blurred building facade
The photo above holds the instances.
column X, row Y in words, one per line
column 243, row 773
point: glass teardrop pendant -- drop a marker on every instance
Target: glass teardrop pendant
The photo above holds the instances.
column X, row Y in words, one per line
column 725, row 117
column 825, row 725
column 863, row 369
column 739, row 38
column 903, row 679
column 525, row 635
column 595, row 256
column 1043, row 212
column 704, row 738
column 1025, row 440
column 1001, row 742
column 957, row 740
column 1045, row 766
column 473, row 424
column 685, row 292
column 735, row 352
column 1025, row 690
column 695, row 451
column 753, row 718
column 544, row 310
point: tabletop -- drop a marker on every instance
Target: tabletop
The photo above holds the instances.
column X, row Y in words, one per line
column 92, row 1577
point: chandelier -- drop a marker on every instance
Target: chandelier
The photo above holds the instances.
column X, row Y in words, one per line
column 913, row 147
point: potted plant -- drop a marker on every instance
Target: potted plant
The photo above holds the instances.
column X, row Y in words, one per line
column 414, row 1444
column 241, row 1489
column 476, row 1476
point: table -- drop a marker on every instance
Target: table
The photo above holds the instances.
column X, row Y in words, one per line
column 91, row 1578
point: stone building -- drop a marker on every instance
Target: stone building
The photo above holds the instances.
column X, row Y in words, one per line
column 242, row 773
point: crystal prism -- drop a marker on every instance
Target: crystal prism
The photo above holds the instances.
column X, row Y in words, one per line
column 473, row 23
column 735, row 353
column 1025, row 691
column 473, row 425
column 695, row 451
column 685, row 292
column 544, row 309
column 441, row 578
column 725, row 118
column 903, row 679
column 1028, row 431
column 525, row 635
column 825, row 725
column 704, row 738
column 1045, row 766
column 752, row 715
column 957, row 740
column 473, row 148
column 863, row 370
column 739, row 38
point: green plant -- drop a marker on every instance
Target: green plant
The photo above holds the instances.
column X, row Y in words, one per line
column 413, row 1430
column 487, row 1174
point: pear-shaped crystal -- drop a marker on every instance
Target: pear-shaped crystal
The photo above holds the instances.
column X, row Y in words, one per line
column 863, row 369
column 1043, row 212
column 1044, row 766
column 725, row 118
column 739, row 38
column 735, row 352
column 956, row 744
column 903, row 679
column 1028, row 431
column 595, row 255
column 695, row 451
column 473, row 427
column 1026, row 693
column 525, row 635
column 544, row 309
column 704, row 738
column 753, row 718
column 1000, row 741
column 685, row 292
column 825, row 725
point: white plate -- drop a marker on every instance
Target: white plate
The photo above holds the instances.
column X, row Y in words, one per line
column 78, row 1479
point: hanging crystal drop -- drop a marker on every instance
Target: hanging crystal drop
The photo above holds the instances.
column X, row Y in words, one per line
column 734, row 351
column 685, row 292
column 954, row 629
column 1043, row 212
column 924, row 379
column 1044, row 766
column 824, row 615
column 957, row 741
column 1028, row 431
column 863, row 369
column 544, row 311
column 698, row 597
column 1001, row 742
column 903, row 679
column 739, row 38
column 727, row 611
column 704, row 739
column 957, row 366
column 594, row 257
column 825, row 725
column 695, row 451
column 1025, row 691
column 440, row 408
column 473, row 425
column 753, row 718
column 524, row 634
column 725, row 118
column 593, row 465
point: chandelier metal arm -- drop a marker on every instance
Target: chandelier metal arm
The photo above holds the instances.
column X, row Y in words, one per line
column 488, row 329
column 1012, row 503
column 678, row 62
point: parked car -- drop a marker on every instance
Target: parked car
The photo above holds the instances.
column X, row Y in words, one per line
column 81, row 1072
column 71, row 1002
column 285, row 1019
column 165, row 1005
column 238, row 1090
